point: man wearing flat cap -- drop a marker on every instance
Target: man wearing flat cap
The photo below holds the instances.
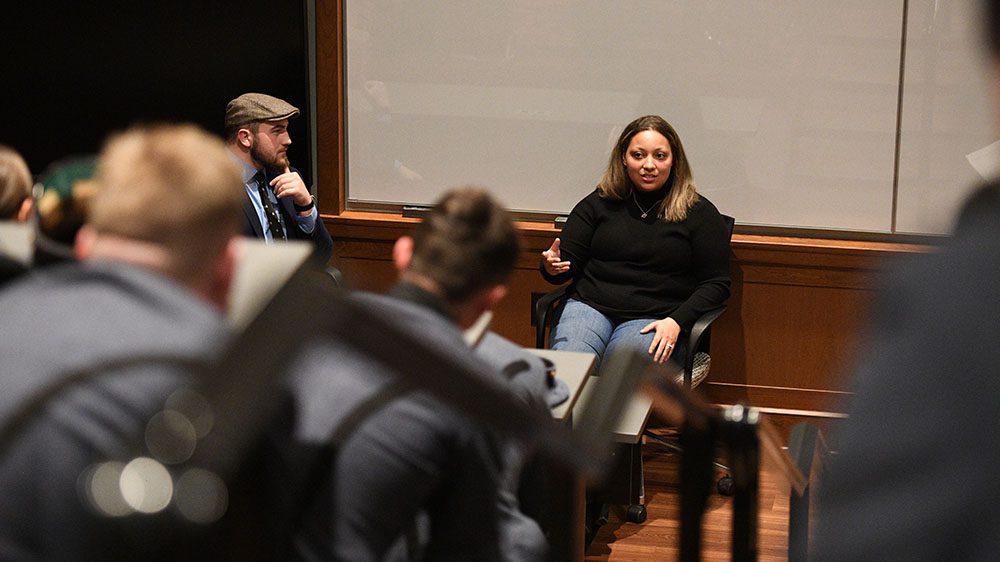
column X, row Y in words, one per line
column 278, row 205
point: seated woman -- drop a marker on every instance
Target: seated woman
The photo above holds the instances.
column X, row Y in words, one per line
column 647, row 255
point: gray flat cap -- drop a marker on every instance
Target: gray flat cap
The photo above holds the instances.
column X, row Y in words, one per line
column 258, row 107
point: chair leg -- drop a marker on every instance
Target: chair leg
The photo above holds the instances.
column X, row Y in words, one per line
column 636, row 512
column 725, row 483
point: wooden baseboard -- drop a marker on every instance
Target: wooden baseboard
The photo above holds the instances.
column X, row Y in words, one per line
column 784, row 419
column 804, row 401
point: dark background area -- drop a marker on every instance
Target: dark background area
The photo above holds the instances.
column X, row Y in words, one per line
column 76, row 71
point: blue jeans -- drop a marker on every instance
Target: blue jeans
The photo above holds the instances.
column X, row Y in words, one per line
column 579, row 327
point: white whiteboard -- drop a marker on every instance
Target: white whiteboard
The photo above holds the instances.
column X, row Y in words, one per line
column 947, row 113
column 787, row 110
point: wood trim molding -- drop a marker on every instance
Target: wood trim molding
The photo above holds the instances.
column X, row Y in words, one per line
column 330, row 165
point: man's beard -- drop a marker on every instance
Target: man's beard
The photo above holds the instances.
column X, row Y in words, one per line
column 274, row 162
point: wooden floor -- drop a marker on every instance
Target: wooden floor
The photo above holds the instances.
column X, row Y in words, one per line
column 657, row 538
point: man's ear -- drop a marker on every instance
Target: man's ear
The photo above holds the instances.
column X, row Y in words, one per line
column 402, row 253
column 25, row 210
column 494, row 295
column 84, row 242
column 224, row 272
column 481, row 301
column 245, row 137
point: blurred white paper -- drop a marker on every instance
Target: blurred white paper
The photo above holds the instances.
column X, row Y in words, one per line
column 262, row 270
column 17, row 240
column 986, row 161
column 478, row 329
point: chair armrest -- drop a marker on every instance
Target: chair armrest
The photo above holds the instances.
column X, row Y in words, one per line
column 697, row 332
column 543, row 306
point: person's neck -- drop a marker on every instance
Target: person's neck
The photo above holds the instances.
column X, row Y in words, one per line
column 425, row 291
column 244, row 156
column 649, row 197
column 150, row 256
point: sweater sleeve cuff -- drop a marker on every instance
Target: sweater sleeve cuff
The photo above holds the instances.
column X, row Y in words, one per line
column 684, row 319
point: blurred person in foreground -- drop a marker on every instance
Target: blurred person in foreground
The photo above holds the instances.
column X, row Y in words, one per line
column 67, row 189
column 15, row 186
column 15, row 204
column 915, row 475
column 415, row 479
column 156, row 254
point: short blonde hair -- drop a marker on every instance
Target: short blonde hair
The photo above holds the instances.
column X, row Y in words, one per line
column 15, row 182
column 170, row 185
column 681, row 194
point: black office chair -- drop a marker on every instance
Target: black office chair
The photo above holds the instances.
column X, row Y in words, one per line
column 695, row 369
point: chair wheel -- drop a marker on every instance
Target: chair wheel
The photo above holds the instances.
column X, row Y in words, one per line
column 636, row 513
column 725, row 486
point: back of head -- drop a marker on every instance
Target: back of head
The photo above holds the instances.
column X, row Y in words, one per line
column 15, row 182
column 173, row 186
column 466, row 243
column 61, row 208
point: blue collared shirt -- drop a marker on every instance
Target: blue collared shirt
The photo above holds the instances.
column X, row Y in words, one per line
column 305, row 223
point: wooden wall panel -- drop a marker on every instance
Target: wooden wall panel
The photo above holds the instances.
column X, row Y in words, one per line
column 787, row 336
column 330, row 107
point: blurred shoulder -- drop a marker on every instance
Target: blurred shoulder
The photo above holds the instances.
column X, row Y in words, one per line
column 980, row 210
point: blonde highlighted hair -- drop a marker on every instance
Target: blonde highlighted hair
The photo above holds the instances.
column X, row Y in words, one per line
column 681, row 190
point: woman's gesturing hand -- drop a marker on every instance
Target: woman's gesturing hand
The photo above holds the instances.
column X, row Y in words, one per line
column 667, row 332
column 552, row 260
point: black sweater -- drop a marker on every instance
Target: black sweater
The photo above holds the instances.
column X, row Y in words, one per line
column 628, row 267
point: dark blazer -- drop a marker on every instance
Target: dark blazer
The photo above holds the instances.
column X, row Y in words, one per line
column 320, row 238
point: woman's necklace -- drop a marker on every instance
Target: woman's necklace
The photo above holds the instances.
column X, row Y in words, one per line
column 645, row 212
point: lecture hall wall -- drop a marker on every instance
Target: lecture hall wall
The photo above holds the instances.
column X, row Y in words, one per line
column 792, row 327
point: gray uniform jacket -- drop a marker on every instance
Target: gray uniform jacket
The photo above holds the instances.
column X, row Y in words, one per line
column 412, row 455
column 522, row 539
column 69, row 316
